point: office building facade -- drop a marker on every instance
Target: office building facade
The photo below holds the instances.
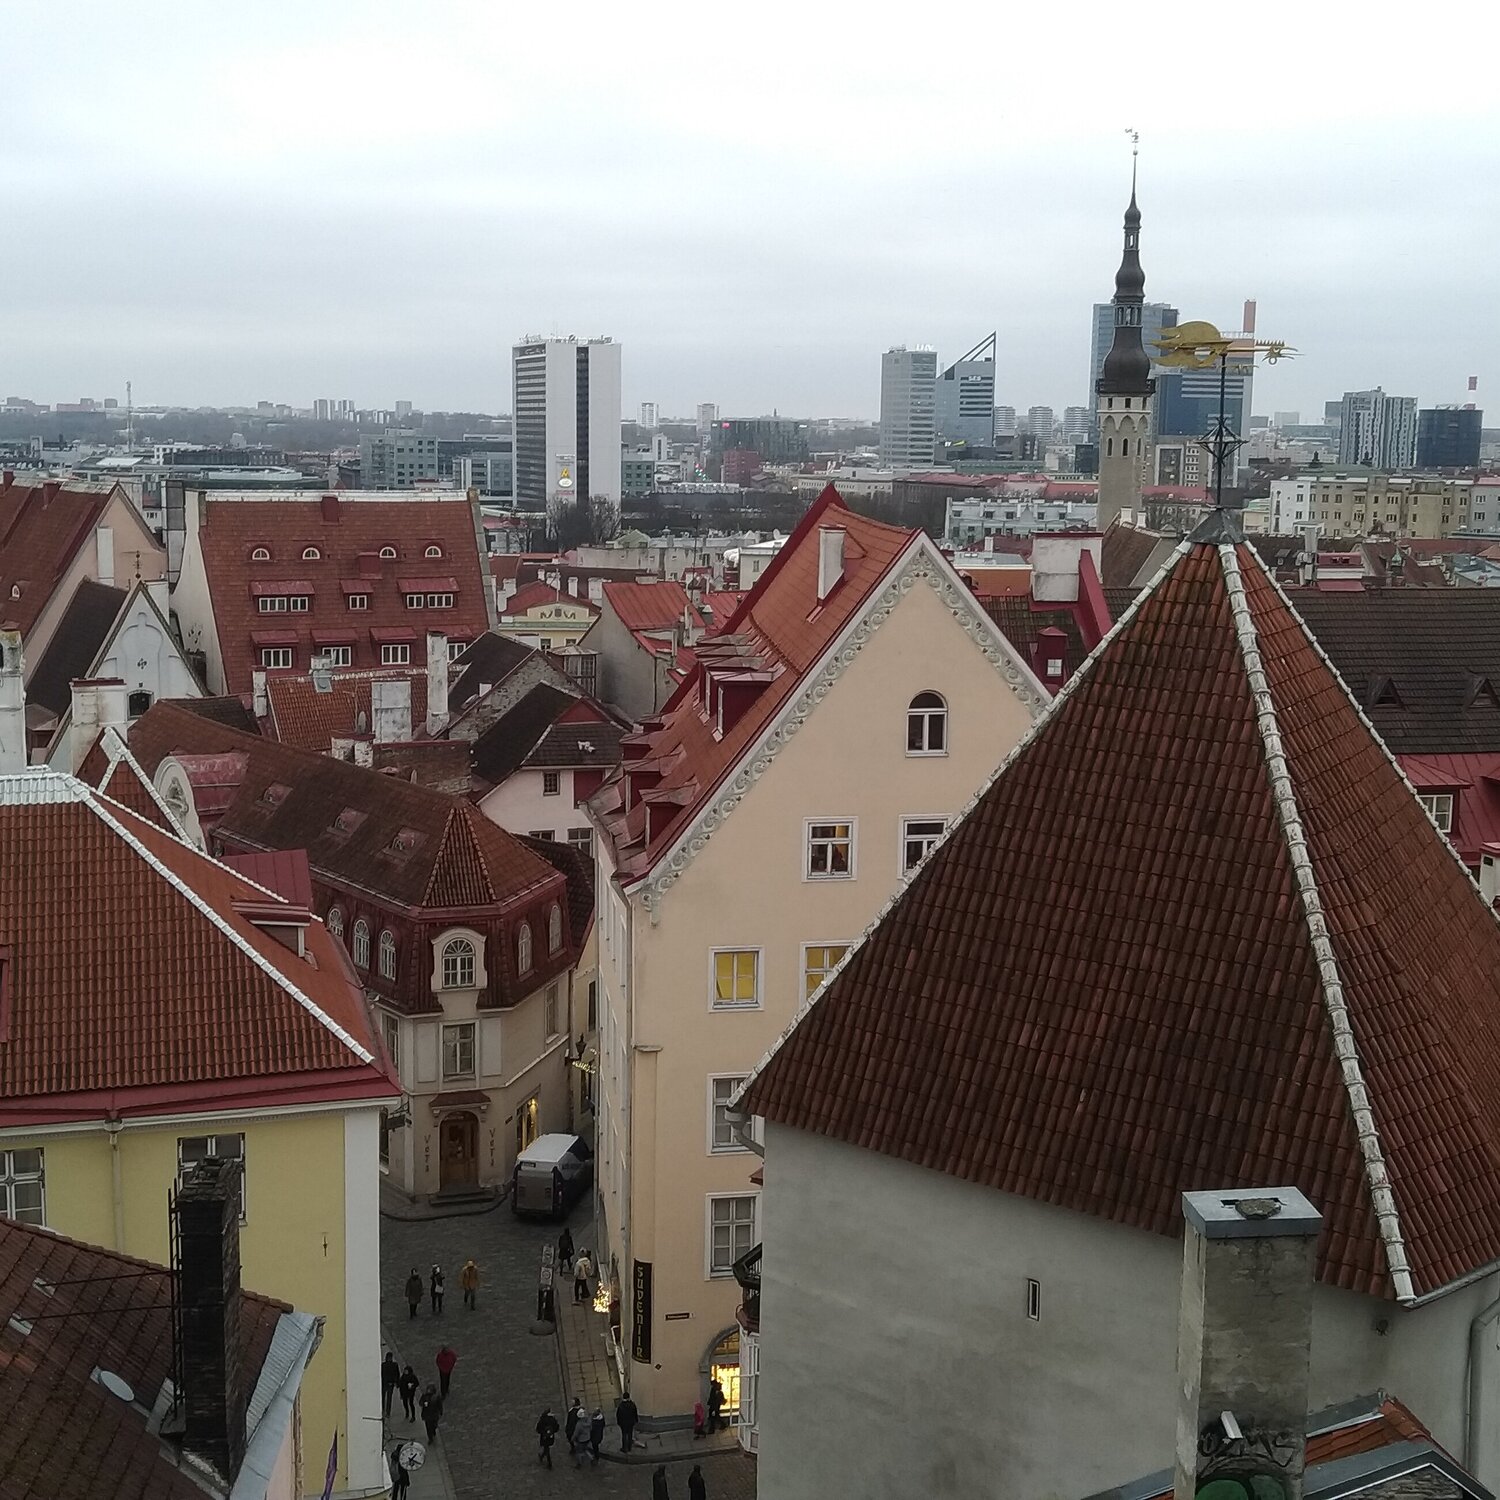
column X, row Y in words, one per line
column 397, row 460
column 566, row 405
column 1378, row 431
column 908, row 408
column 1154, row 317
column 1448, row 437
column 965, row 411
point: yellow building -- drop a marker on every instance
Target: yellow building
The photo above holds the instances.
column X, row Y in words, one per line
column 542, row 616
column 755, row 830
column 161, row 1008
column 1366, row 502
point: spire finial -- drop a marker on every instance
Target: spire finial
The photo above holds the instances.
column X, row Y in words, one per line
column 1135, row 151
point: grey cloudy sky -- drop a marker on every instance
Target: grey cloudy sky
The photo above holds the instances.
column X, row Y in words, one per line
column 358, row 199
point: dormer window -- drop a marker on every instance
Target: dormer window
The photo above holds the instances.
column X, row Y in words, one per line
column 458, row 964
column 261, row 554
column 362, row 943
column 523, row 948
column 1439, row 807
column 274, row 794
column 414, row 601
column 336, row 921
column 388, row 553
column 433, row 551
column 554, row 928
column 358, row 601
column 404, row 842
column 387, row 955
column 310, row 554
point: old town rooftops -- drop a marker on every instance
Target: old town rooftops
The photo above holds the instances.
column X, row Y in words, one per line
column 138, row 975
column 1196, row 929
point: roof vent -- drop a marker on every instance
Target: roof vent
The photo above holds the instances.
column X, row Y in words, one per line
column 830, row 559
column 274, row 794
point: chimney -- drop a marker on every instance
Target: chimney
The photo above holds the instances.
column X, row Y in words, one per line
column 1307, row 572
column 1489, row 873
column 329, row 505
column 1244, row 1339
column 390, row 709
column 364, row 751
column 50, row 487
column 7, row 479
column 104, row 549
column 98, row 702
column 207, row 1208
column 13, row 755
column 437, row 682
column 830, row 559
column 259, row 705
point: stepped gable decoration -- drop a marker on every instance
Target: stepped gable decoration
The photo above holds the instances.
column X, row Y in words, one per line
column 1196, row 929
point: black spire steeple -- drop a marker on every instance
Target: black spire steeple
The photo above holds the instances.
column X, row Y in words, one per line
column 1127, row 366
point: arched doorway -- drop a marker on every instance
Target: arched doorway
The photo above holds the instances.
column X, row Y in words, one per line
column 722, row 1363
column 458, row 1151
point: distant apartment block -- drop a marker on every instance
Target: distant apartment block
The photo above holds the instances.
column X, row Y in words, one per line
column 968, row 521
column 1358, row 502
column 397, row 460
column 1377, row 431
column 908, row 398
column 566, row 395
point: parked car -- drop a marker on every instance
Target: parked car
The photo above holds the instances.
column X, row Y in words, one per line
column 551, row 1175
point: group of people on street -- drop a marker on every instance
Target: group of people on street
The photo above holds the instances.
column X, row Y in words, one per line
column 696, row 1488
column 583, row 1433
column 394, row 1380
column 711, row 1418
column 437, row 1285
column 582, row 1266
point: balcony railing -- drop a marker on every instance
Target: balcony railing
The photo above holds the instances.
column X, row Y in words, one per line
column 747, row 1273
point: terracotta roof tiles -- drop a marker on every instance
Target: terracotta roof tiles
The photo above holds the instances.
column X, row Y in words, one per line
column 649, row 606
column 304, row 715
column 536, row 595
column 42, row 526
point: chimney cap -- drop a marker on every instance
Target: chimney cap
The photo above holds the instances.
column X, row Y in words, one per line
column 1251, row 1213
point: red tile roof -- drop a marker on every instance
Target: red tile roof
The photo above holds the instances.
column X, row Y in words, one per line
column 136, row 980
column 533, row 595
column 348, row 535
column 110, row 767
column 1474, row 781
column 87, row 1309
column 649, row 606
column 40, row 534
column 302, row 715
column 1114, row 972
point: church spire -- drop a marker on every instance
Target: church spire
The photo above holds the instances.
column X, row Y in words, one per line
column 1127, row 367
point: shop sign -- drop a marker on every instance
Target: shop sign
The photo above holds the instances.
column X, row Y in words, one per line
column 640, row 1315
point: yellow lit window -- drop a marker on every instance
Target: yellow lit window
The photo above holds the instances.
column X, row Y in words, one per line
column 736, row 977
column 820, row 963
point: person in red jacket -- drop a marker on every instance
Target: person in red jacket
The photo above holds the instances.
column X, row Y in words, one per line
column 446, row 1359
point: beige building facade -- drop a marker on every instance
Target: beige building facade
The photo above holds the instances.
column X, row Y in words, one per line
column 1357, row 502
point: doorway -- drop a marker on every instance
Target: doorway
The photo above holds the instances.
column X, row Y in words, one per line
column 723, row 1365
column 528, row 1124
column 458, row 1152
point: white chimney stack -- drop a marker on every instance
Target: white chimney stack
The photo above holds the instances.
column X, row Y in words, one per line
column 390, row 709
column 1489, row 874
column 437, row 682
column 830, row 559
column 13, row 753
column 104, row 548
column 259, row 705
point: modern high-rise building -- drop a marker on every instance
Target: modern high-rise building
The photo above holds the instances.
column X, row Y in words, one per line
column 1005, row 421
column 397, row 460
column 708, row 414
column 322, row 409
column 649, row 416
column 1448, row 437
column 1154, row 317
column 1378, row 431
column 403, row 410
column 1040, row 423
column 908, row 407
column 566, row 405
column 965, row 410
column 1077, row 424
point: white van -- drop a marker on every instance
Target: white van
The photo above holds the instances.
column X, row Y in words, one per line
column 551, row 1174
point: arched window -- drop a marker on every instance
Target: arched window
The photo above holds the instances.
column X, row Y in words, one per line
column 523, row 948
column 458, row 964
column 1125, row 447
column 434, row 551
column 387, row 955
column 388, row 553
column 554, row 928
column 362, row 943
column 1109, row 447
column 927, row 725
column 336, row 921
column 138, row 703
column 261, row 554
column 310, row 554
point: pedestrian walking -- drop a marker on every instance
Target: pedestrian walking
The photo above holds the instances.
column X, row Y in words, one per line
column 546, row 1434
column 627, row 1414
column 413, row 1290
column 468, row 1281
column 715, row 1405
column 435, row 1287
column 575, row 1430
column 659, row 1489
column 700, row 1418
column 432, row 1412
column 565, row 1247
column 400, row 1479
column 446, row 1359
column 583, row 1268
column 697, row 1490
column 596, row 1432
column 390, row 1373
column 409, row 1385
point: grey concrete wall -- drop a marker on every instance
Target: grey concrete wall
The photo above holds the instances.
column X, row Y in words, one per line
column 629, row 676
column 898, row 1360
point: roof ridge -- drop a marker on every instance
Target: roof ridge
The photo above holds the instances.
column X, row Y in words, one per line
column 107, row 817
column 116, row 750
column 1284, row 797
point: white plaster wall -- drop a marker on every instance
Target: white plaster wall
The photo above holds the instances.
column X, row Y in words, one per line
column 191, row 603
column 897, row 1358
column 520, row 805
column 364, row 1463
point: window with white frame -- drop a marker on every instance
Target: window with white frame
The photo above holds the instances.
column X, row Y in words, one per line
column 736, row 978
column 918, row 835
column 458, row 1050
column 414, row 601
column 830, row 851
column 387, row 954
column 554, row 928
column 731, row 1232
column 191, row 1149
column 927, row 725
column 310, row 554
column 388, row 554
column 551, row 783
column 456, row 649
column 721, row 1089
column 260, row 554
column 549, row 1011
column 271, row 604
column 523, row 948
column 440, row 601
column 362, row 943
column 458, row 964
column 433, row 551
column 339, row 656
column 357, row 601
column 582, row 839
column 23, row 1186
column 1439, row 806
column 336, row 921
column 819, row 960
column 395, row 655
column 390, row 1032
column 274, row 657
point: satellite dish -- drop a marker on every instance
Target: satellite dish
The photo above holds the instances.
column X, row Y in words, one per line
column 115, row 1385
column 411, row 1456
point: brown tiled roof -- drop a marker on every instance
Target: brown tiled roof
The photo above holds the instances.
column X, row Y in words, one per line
column 1124, row 552
column 1416, row 660
column 65, row 1436
column 110, row 768
column 547, row 728
column 485, row 662
column 648, row 606
column 1111, row 984
column 301, row 714
column 75, row 643
column 536, row 595
column 1021, row 621
column 579, row 869
column 135, row 976
column 349, row 535
column 40, row 534
column 230, row 711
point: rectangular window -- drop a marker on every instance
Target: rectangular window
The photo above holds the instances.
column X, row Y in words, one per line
column 191, row 1149
column 818, row 961
column 270, row 604
column 458, row 1050
column 736, row 978
column 385, row 1138
column 23, row 1192
column 395, row 656
column 543, row 833
column 1033, row 1299
column 440, row 601
column 582, row 839
column 721, row 1090
column 390, row 1032
column 273, row 657
column 414, row 601
column 1439, row 807
column 339, row 656
column 918, row 835
column 731, row 1232
column 551, row 783
column 593, row 1005
column 358, row 601
column 830, row 851
column 456, row 649
column 549, row 1011
column 298, row 604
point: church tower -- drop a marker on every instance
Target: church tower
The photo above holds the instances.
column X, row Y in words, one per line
column 1125, row 388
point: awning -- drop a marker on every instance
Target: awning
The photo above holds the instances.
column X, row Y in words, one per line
column 274, row 637
column 395, row 635
column 358, row 585
column 335, row 637
column 285, row 586
column 427, row 585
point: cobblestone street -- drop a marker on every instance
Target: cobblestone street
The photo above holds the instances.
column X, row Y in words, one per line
column 505, row 1373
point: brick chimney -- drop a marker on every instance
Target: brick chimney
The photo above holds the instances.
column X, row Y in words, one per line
column 208, row 1293
column 1244, row 1338
column 13, row 755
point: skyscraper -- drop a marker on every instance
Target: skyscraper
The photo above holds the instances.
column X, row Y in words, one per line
column 1154, row 317
column 1040, row 422
column 908, row 381
column 708, row 414
column 1077, row 424
column 566, row 394
column 1005, row 421
column 649, row 416
column 1448, row 437
column 1378, row 431
column 1125, row 387
column 966, row 397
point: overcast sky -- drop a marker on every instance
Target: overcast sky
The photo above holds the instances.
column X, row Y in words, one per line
column 348, row 198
